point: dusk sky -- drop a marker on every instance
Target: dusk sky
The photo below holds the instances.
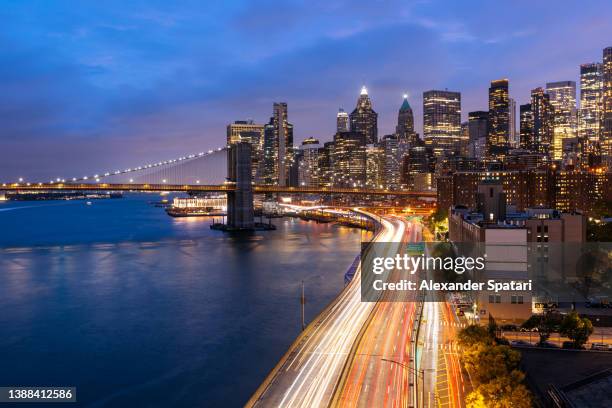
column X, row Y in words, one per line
column 89, row 87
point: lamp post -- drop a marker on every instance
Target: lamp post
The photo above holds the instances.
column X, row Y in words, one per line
column 412, row 370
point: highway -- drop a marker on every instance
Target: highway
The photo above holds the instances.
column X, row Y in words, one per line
column 380, row 372
column 310, row 370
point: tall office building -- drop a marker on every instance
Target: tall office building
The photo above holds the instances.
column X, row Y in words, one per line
column 278, row 147
column 606, row 134
column 543, row 113
column 526, row 127
column 478, row 125
column 308, row 171
column 325, row 164
column 364, row 119
column 375, row 166
column 391, row 174
column 514, row 139
column 442, row 121
column 405, row 123
column 499, row 118
column 342, row 121
column 349, row 159
column 589, row 121
column 247, row 131
column 563, row 99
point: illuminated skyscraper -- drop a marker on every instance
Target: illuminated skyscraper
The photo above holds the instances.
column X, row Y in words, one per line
column 526, row 128
column 364, row 119
column 375, row 166
column 563, row 99
column 478, row 125
column 589, row 124
column 391, row 174
column 499, row 118
column 442, row 121
column 349, row 159
column 278, row 147
column 513, row 139
column 606, row 135
column 308, row 173
column 405, row 123
column 342, row 121
column 247, row 131
column 543, row 112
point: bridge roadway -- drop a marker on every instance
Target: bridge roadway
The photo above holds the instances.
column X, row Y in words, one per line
column 308, row 374
column 229, row 187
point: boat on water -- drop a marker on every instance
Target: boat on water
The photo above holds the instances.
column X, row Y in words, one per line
column 208, row 206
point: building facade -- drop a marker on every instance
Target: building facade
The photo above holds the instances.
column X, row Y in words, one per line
column 589, row 118
column 499, row 118
column 562, row 96
column 364, row 119
column 442, row 121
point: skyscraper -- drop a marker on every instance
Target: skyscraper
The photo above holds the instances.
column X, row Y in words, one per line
column 278, row 147
column 606, row 135
column 442, row 121
column 364, row 119
column 589, row 123
column 375, row 165
column 405, row 123
column 349, row 159
column 308, row 174
column 247, row 131
column 526, row 127
column 563, row 99
column 478, row 125
column 391, row 174
column 543, row 112
column 342, row 121
column 499, row 118
column 513, row 139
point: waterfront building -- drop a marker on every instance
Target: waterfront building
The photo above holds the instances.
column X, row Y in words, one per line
column 278, row 147
column 442, row 121
column 543, row 113
column 252, row 133
column 606, row 135
column 526, row 139
column 478, row 124
column 499, row 118
column 590, row 114
column 562, row 96
column 325, row 164
column 363, row 118
column 343, row 123
column 349, row 159
column 308, row 172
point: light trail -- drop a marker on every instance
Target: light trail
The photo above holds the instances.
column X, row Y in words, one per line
column 308, row 373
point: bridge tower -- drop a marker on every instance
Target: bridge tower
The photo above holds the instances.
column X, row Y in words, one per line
column 240, row 213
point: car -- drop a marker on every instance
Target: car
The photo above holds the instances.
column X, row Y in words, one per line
column 601, row 346
column 570, row 345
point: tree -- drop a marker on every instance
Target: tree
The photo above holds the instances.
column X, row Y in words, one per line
column 486, row 362
column 472, row 335
column 506, row 391
column 576, row 328
column 545, row 323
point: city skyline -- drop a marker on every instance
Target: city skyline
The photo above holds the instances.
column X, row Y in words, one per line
column 99, row 111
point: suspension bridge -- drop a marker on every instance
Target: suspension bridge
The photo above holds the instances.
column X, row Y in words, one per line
column 198, row 173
